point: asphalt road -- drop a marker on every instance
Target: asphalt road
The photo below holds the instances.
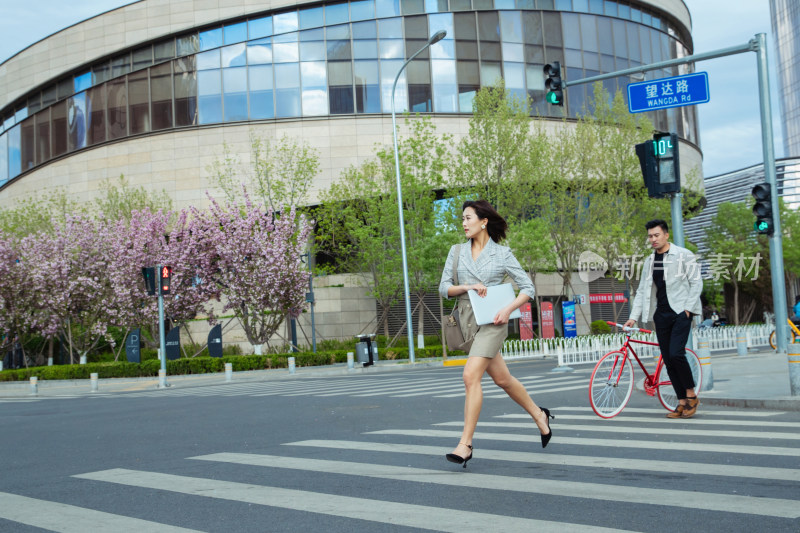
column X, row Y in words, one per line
column 366, row 453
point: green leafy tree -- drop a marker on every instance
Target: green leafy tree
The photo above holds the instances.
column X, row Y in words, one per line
column 493, row 159
column 728, row 240
column 279, row 172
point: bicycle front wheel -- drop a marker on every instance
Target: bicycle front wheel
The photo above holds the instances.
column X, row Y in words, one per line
column 773, row 342
column 666, row 393
column 611, row 384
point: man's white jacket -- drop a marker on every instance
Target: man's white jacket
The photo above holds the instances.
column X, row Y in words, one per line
column 684, row 285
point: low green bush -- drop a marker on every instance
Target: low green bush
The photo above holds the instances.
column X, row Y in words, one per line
column 599, row 327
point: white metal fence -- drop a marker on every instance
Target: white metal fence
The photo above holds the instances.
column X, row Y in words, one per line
column 590, row 348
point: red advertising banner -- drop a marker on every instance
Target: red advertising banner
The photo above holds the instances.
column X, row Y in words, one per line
column 548, row 326
column 526, row 322
column 605, row 298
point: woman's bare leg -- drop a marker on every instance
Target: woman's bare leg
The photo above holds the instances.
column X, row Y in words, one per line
column 473, row 373
column 502, row 377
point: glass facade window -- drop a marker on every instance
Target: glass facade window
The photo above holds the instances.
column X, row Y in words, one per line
column 315, row 88
column 235, row 33
column 96, row 108
column 185, row 80
column 14, row 152
column 340, row 87
column 287, row 90
column 260, row 27
column 311, row 18
column 387, row 8
column 259, row 52
column 337, row 13
column 209, row 96
column 210, row 39
column 142, row 58
column 77, row 118
column 341, row 58
column 138, row 102
column 262, row 94
column 161, row 96
column 234, row 87
column 285, row 22
column 117, row 111
column 58, row 128
column 83, row 81
column 3, row 158
column 42, row 136
column 362, row 9
column 164, row 51
column 367, row 81
column 27, row 144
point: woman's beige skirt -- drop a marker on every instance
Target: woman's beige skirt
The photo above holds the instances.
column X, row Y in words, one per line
column 488, row 338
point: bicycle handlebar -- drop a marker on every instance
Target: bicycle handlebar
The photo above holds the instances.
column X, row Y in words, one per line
column 628, row 330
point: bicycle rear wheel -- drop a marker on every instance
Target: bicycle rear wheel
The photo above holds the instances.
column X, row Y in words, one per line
column 611, row 384
column 666, row 394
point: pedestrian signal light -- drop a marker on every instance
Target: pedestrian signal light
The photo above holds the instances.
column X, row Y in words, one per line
column 164, row 279
column 149, row 275
column 553, row 83
column 762, row 209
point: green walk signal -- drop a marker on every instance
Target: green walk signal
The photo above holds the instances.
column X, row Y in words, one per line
column 553, row 84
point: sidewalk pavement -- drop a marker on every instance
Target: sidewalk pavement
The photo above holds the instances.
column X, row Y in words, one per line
column 758, row 380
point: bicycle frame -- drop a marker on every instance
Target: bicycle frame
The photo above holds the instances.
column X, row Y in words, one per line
column 649, row 380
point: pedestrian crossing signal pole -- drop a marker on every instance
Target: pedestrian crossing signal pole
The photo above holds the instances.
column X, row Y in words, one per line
column 163, row 288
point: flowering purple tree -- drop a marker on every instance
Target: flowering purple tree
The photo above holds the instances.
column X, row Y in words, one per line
column 151, row 238
column 16, row 299
column 68, row 279
column 256, row 256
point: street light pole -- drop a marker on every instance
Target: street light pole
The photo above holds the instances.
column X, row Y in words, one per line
column 438, row 36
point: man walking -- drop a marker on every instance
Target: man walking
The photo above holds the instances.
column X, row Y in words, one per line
column 669, row 295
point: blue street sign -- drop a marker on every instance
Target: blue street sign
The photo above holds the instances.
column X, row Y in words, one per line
column 677, row 91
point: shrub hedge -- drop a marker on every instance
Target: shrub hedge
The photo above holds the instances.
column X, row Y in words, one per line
column 150, row 365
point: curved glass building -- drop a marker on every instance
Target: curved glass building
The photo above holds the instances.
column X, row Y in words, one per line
column 152, row 90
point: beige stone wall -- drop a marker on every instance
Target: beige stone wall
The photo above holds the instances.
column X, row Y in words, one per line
column 177, row 161
column 343, row 309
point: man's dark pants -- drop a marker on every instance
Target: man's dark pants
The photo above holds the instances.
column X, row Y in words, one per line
column 672, row 330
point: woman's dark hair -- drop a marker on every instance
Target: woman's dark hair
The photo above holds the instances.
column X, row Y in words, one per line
column 496, row 226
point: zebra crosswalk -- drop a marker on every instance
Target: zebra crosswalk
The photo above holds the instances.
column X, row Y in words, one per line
column 436, row 384
column 743, row 467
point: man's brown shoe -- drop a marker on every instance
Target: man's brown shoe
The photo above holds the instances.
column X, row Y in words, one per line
column 678, row 412
column 691, row 407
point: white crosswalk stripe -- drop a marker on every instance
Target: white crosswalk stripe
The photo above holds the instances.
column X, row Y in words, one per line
column 400, row 514
column 72, row 519
column 598, row 473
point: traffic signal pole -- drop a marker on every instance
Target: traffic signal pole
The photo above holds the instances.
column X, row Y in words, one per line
column 162, row 342
column 757, row 44
column 775, row 240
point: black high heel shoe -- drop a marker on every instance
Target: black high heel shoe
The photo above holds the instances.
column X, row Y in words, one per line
column 547, row 416
column 457, row 459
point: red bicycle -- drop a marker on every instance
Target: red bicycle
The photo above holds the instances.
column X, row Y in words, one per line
column 612, row 378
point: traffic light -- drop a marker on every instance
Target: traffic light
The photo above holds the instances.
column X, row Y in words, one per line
column 660, row 164
column 164, row 279
column 555, row 87
column 149, row 275
column 762, row 209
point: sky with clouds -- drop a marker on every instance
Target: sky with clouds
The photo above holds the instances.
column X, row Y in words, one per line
column 730, row 126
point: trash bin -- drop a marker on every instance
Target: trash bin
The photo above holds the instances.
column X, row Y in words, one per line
column 366, row 350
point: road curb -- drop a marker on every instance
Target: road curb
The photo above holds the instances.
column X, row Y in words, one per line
column 787, row 404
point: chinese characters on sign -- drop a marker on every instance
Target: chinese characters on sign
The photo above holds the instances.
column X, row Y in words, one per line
column 678, row 91
column 718, row 266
